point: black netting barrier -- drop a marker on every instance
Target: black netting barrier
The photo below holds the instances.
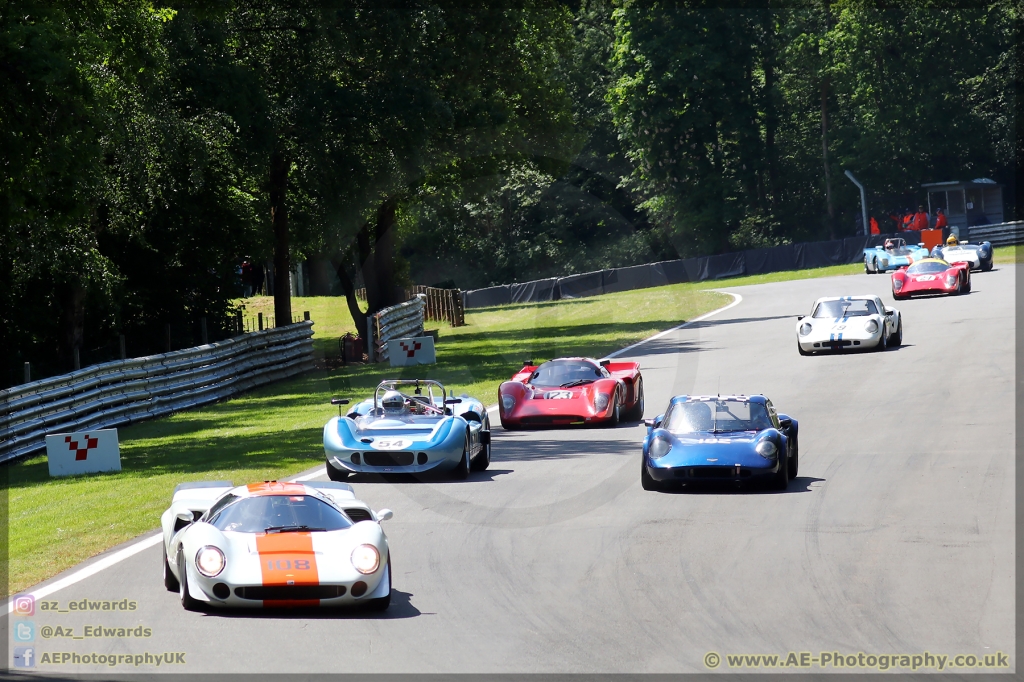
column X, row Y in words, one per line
column 586, row 284
column 537, row 290
column 721, row 266
column 628, row 279
column 483, row 298
column 772, row 259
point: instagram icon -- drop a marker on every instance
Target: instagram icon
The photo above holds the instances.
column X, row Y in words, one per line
column 24, row 605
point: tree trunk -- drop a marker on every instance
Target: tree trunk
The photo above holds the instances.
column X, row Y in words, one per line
column 825, row 85
column 279, row 167
column 771, row 125
column 831, row 220
column 72, row 324
column 384, row 256
column 358, row 316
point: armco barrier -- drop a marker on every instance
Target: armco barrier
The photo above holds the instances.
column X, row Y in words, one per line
column 128, row 391
column 396, row 322
column 1004, row 234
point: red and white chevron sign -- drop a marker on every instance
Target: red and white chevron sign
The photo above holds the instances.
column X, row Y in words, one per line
column 415, row 351
column 86, row 452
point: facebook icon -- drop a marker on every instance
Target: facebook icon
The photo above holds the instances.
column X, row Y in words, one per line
column 24, row 657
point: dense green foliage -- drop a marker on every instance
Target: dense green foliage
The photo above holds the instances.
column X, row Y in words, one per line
column 150, row 148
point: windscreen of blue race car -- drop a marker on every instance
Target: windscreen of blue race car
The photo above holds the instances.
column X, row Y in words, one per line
column 565, row 373
column 276, row 514
column 852, row 308
column 716, row 416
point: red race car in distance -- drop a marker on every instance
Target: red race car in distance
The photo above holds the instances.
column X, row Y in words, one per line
column 572, row 391
column 931, row 276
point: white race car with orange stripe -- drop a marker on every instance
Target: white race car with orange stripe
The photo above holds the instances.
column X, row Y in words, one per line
column 275, row 545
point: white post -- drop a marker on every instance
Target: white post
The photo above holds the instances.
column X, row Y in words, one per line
column 863, row 203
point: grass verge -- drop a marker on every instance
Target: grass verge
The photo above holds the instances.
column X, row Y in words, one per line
column 276, row 430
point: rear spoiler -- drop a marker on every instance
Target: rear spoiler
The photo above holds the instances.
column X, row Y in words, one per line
column 622, row 367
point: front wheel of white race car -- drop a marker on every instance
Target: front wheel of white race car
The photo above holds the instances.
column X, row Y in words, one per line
column 170, row 582
column 381, row 603
column 187, row 601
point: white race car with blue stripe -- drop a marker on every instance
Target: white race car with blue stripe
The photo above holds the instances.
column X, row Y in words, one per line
column 849, row 323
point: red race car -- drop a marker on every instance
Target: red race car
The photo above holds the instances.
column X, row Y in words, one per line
column 571, row 391
column 931, row 276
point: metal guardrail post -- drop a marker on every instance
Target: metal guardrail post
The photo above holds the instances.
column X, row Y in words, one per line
column 370, row 341
column 202, row 330
column 77, row 358
column 260, row 317
column 28, row 373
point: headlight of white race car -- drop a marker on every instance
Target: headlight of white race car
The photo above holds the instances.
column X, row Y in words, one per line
column 601, row 402
column 659, row 447
column 871, row 327
column 766, row 449
column 366, row 559
column 805, row 329
column 210, row 561
column 508, row 402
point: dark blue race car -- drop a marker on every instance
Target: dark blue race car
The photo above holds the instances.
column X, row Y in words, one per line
column 736, row 439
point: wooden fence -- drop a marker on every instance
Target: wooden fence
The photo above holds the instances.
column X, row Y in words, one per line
column 442, row 304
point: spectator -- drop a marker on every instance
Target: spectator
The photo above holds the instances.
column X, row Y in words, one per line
column 908, row 220
column 940, row 219
column 874, row 225
column 921, row 220
column 246, row 279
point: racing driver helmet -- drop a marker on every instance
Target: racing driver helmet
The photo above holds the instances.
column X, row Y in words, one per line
column 888, row 246
column 952, row 240
column 393, row 402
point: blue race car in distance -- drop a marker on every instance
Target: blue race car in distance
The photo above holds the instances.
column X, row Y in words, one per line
column 408, row 433
column 892, row 255
column 737, row 439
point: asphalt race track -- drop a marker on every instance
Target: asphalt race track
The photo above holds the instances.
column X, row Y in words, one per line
column 896, row 537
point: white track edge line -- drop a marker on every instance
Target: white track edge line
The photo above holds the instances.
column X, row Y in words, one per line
column 153, row 540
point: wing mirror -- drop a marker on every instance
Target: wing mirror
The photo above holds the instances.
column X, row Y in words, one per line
column 184, row 518
column 605, row 363
column 889, row 312
column 339, row 401
column 384, row 515
column 652, row 423
column 453, row 401
column 785, row 422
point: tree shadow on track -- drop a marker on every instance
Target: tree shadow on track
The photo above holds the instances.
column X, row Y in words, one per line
column 401, row 607
column 800, row 484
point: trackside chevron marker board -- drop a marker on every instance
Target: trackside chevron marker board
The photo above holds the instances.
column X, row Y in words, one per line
column 88, row 452
column 415, row 351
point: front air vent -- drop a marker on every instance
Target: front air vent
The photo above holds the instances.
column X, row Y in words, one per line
column 290, row 592
column 388, row 459
column 358, row 514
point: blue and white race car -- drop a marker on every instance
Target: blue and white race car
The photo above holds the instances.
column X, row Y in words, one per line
column 409, row 433
column 978, row 255
column 736, row 439
column 894, row 254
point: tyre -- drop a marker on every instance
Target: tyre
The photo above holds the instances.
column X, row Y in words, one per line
column 793, row 463
column 170, row 582
column 187, row 602
column 647, row 482
column 883, row 342
column 336, row 474
column 800, row 349
column 462, row 470
column 781, row 480
column 381, row 603
column 636, row 413
column 967, row 287
column 483, row 458
column 897, row 337
column 866, row 270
